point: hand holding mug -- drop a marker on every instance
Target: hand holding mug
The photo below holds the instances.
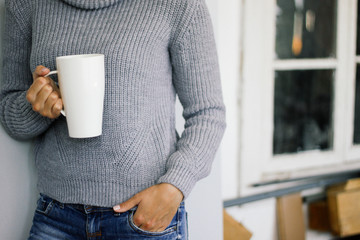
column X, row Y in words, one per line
column 81, row 93
column 44, row 95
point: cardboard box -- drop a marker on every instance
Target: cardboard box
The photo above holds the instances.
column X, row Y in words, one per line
column 233, row 230
column 318, row 216
column 344, row 208
column 290, row 216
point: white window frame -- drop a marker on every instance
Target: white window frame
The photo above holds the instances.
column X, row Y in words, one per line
column 352, row 151
column 257, row 162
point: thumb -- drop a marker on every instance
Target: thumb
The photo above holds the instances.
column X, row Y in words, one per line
column 40, row 71
column 127, row 205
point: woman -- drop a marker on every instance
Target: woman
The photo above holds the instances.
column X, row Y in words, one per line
column 130, row 182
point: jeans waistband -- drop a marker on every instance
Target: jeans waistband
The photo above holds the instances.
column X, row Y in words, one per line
column 80, row 207
column 86, row 209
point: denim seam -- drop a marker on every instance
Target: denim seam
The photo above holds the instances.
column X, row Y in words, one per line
column 178, row 220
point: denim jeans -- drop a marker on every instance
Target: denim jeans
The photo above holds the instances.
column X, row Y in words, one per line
column 55, row 220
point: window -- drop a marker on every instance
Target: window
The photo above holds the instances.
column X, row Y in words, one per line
column 300, row 83
column 303, row 110
column 305, row 29
column 356, row 139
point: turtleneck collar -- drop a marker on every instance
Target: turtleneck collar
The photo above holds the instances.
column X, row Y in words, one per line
column 91, row 4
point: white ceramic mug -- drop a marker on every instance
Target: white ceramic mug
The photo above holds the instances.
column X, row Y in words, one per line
column 82, row 87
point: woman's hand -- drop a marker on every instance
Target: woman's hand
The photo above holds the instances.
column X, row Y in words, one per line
column 44, row 95
column 157, row 206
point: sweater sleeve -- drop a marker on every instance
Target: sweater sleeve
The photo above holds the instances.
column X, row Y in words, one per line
column 16, row 113
column 197, row 83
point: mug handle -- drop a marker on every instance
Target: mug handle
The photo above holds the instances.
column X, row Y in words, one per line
column 52, row 73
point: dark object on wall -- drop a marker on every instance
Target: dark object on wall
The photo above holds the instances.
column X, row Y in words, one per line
column 318, row 216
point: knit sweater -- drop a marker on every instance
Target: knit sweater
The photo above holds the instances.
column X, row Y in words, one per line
column 154, row 49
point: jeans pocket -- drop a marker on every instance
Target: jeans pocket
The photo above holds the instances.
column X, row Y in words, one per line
column 44, row 205
column 170, row 229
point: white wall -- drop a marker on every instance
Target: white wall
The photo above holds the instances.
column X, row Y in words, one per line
column 17, row 187
column 205, row 203
column 19, row 194
column 229, row 24
column 17, row 180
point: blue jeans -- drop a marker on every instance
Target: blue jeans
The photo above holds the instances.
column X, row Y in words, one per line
column 55, row 220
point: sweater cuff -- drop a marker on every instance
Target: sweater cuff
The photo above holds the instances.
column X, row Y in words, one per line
column 179, row 175
column 20, row 121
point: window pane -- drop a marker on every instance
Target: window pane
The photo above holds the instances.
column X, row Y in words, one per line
column 306, row 29
column 358, row 30
column 357, row 108
column 303, row 110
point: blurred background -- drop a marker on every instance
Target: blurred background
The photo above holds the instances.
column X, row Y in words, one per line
column 291, row 82
column 292, row 87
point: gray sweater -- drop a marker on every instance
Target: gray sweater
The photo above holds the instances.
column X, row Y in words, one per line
column 154, row 49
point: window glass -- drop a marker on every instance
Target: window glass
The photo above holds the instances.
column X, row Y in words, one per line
column 356, row 139
column 358, row 31
column 306, row 29
column 357, row 107
column 303, row 110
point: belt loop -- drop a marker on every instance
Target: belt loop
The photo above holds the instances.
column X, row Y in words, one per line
column 88, row 209
column 61, row 205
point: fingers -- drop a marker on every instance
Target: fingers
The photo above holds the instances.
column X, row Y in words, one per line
column 36, row 87
column 153, row 220
column 157, row 206
column 44, row 97
column 129, row 204
column 147, row 224
column 40, row 71
column 53, row 105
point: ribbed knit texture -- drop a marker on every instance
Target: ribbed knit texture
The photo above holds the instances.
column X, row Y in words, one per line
column 153, row 49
